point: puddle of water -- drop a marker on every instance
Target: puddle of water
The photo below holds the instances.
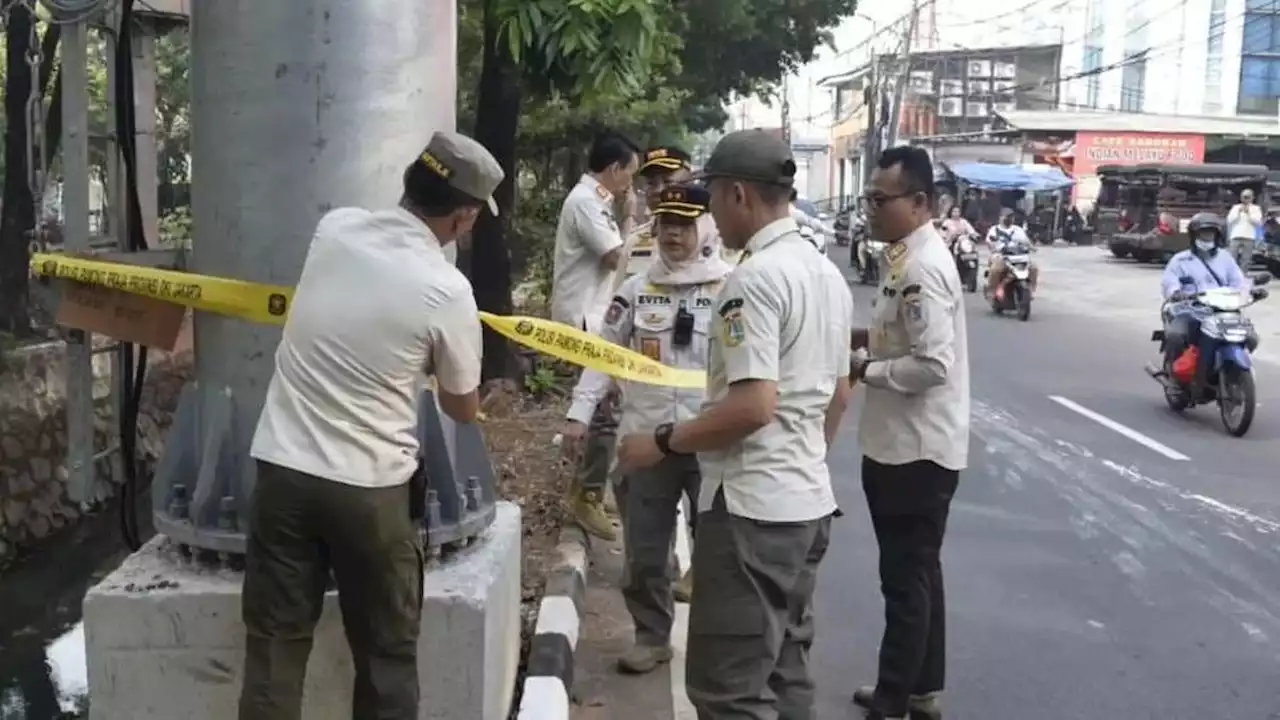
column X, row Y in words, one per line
column 43, row 669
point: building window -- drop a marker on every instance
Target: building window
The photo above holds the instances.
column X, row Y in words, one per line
column 1092, row 66
column 1213, row 58
column 1260, row 59
column 1259, row 86
column 1133, row 83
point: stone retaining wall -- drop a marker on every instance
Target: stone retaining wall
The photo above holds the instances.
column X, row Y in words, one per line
column 33, row 436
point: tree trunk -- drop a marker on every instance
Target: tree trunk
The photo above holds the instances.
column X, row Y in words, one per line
column 17, row 216
column 497, row 124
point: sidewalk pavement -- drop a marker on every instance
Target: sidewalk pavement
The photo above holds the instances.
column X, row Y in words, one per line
column 600, row 691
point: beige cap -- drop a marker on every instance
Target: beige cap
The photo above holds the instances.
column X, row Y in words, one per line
column 465, row 164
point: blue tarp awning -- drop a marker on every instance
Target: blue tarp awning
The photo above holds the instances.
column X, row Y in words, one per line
column 992, row 176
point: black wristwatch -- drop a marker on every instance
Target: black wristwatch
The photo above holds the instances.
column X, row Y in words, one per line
column 662, row 438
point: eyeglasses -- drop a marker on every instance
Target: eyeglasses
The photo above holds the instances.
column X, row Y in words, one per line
column 879, row 200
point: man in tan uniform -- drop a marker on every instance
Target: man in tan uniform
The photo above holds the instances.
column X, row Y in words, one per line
column 777, row 386
column 914, row 433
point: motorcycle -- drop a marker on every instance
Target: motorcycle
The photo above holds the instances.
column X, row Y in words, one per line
column 818, row 240
column 1014, row 291
column 870, row 252
column 1218, row 366
column 965, row 253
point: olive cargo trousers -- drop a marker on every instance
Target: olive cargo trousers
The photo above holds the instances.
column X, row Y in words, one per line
column 302, row 527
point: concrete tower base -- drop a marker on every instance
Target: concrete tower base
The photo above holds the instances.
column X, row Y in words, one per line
column 165, row 640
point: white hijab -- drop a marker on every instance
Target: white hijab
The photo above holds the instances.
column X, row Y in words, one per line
column 705, row 265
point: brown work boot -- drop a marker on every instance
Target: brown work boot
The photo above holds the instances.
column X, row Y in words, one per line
column 683, row 590
column 589, row 512
column 922, row 707
column 641, row 659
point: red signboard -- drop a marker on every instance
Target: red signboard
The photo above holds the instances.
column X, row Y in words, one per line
column 1096, row 148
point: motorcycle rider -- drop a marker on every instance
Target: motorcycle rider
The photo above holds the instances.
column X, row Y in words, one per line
column 955, row 226
column 805, row 220
column 664, row 313
column 1192, row 271
column 1002, row 238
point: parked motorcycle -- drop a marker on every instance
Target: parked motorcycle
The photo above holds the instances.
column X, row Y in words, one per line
column 1014, row 291
column 870, row 252
column 1218, row 367
column 965, row 253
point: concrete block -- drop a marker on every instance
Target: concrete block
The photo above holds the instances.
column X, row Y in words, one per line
column 165, row 640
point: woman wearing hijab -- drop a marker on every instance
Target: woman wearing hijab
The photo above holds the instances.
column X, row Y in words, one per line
column 666, row 314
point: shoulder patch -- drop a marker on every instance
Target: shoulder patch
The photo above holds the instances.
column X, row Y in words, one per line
column 729, row 306
column 617, row 308
column 602, row 193
column 912, row 289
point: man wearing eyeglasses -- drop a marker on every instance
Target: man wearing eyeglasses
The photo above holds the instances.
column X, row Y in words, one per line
column 915, row 430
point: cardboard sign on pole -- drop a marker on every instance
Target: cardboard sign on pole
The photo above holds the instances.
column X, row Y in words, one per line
column 126, row 317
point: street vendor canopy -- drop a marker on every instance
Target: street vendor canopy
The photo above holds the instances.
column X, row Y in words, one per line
column 993, row 176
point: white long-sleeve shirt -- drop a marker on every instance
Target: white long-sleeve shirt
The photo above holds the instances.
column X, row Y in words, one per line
column 1244, row 222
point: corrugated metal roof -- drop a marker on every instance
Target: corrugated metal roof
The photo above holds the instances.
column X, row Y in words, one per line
column 1097, row 121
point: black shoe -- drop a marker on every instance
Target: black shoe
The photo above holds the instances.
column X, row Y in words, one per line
column 922, row 707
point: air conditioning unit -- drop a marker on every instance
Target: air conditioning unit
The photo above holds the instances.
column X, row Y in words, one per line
column 1004, row 107
column 951, row 107
column 976, row 109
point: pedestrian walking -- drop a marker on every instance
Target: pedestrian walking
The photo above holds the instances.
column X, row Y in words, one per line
column 914, row 431
column 589, row 249
column 664, row 313
column 1244, row 227
column 336, row 444
column 777, row 386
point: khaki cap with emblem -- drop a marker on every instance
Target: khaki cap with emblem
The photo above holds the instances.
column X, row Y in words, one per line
column 664, row 158
column 689, row 201
column 465, row 164
column 751, row 155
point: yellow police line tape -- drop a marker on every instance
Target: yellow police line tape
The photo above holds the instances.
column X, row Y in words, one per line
column 269, row 304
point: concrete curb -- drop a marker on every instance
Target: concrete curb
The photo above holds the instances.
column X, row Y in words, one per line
column 548, row 683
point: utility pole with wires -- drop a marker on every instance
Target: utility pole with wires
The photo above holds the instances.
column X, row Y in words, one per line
column 903, row 76
column 786, row 111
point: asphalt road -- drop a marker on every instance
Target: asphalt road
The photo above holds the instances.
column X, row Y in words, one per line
column 1123, row 562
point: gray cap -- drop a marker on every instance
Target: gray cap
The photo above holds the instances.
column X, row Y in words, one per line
column 755, row 155
column 465, row 164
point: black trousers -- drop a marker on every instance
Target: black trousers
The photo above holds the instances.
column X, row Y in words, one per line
column 909, row 505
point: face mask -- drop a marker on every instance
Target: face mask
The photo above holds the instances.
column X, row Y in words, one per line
column 1205, row 245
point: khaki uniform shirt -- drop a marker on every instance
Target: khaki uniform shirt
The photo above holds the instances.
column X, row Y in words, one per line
column 784, row 315
column 587, row 231
column 917, row 385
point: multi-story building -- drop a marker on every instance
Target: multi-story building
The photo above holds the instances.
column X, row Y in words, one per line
column 949, row 103
column 1173, row 57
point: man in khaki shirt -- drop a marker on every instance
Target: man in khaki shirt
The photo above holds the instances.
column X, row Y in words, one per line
column 777, row 387
column 914, row 432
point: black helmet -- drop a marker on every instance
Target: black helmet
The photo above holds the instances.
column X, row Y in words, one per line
column 1207, row 221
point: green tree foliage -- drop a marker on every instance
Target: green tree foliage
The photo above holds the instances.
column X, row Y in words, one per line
column 541, row 77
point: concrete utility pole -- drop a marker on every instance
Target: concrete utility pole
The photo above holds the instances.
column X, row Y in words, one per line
column 903, row 77
column 298, row 107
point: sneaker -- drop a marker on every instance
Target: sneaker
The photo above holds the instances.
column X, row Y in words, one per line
column 589, row 513
column 683, row 590
column 641, row 659
column 923, row 707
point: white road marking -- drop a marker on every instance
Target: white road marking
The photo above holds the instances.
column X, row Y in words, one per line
column 1124, row 430
column 681, row 708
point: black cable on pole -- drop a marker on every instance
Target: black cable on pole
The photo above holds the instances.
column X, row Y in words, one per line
column 133, row 359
